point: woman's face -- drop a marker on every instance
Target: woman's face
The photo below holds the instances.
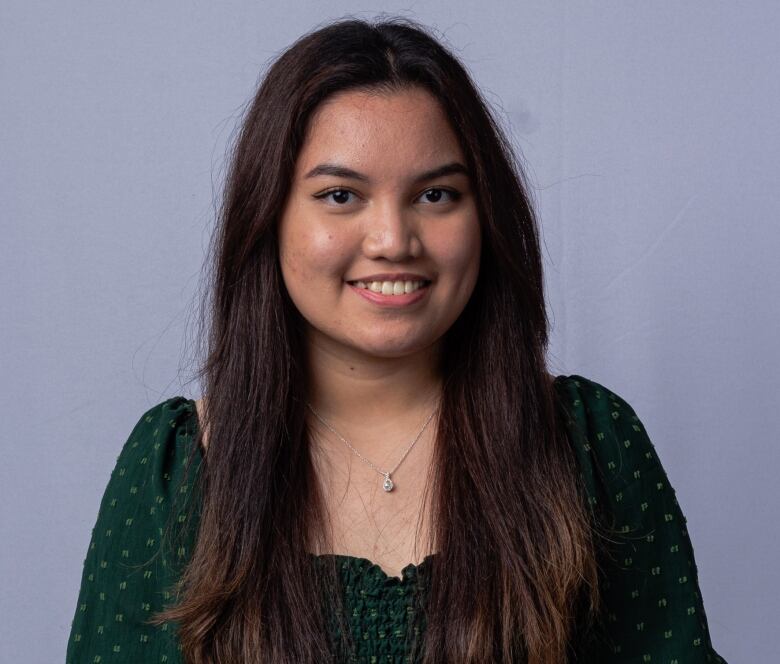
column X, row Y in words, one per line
column 366, row 205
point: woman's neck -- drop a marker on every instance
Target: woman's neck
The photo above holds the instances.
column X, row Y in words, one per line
column 362, row 391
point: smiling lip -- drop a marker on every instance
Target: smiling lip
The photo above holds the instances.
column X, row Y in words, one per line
column 391, row 276
column 392, row 301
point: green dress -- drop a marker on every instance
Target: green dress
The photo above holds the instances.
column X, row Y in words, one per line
column 654, row 610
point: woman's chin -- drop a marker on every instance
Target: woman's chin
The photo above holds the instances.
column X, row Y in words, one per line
column 390, row 349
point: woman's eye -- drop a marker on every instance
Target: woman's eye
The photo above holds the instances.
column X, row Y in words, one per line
column 454, row 195
column 339, row 195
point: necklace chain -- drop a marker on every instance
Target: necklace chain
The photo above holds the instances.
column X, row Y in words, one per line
column 388, row 483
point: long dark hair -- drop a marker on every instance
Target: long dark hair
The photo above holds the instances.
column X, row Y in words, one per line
column 506, row 494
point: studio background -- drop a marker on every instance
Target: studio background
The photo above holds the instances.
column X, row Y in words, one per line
column 650, row 137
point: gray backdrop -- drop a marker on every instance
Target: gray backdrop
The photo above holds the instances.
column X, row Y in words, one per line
column 651, row 136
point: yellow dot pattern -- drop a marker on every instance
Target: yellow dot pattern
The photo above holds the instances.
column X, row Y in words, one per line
column 127, row 573
column 653, row 605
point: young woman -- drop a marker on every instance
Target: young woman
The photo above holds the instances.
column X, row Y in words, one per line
column 382, row 469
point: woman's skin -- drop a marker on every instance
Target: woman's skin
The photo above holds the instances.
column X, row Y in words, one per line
column 374, row 370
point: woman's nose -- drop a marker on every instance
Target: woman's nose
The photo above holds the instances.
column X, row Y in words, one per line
column 391, row 233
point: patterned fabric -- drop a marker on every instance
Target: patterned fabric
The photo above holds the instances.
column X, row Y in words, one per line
column 654, row 610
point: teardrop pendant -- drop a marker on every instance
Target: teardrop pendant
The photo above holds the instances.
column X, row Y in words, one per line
column 388, row 483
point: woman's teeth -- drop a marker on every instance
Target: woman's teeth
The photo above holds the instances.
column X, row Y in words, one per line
column 390, row 287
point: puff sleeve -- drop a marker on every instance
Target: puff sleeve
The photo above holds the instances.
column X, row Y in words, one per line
column 652, row 604
column 127, row 572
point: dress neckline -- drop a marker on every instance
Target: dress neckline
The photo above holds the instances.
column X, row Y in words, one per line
column 368, row 567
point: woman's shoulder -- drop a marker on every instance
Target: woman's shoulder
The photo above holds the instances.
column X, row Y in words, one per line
column 609, row 438
column 141, row 538
column 150, row 470
column 153, row 475
column 650, row 579
column 160, row 441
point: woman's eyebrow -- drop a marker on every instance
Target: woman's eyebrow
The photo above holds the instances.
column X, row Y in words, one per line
column 337, row 170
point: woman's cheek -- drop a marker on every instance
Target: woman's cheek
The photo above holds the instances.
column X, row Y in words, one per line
column 460, row 250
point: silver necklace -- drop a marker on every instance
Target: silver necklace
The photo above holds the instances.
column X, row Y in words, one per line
column 388, row 484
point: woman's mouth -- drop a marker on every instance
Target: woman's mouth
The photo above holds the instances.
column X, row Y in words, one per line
column 390, row 287
column 391, row 293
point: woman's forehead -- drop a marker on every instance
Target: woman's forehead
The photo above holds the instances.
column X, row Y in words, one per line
column 368, row 130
